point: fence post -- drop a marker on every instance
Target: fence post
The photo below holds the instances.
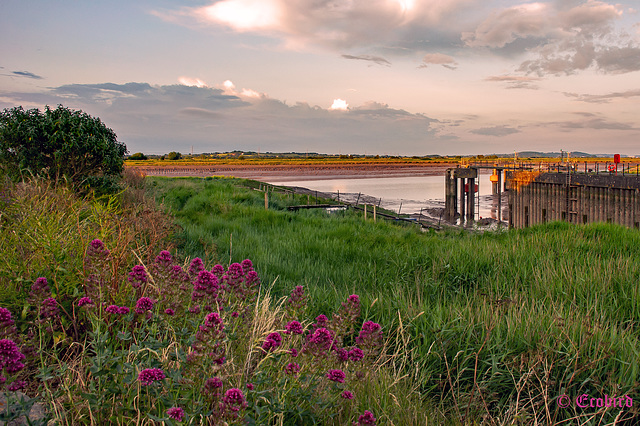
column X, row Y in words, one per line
column 266, row 200
column 374, row 213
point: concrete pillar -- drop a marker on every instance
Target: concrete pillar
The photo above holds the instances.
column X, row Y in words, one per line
column 471, row 198
column 462, row 201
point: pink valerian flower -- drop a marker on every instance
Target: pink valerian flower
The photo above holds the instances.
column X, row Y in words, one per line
column 170, row 312
column 212, row 385
column 143, row 305
column 356, row 354
column 49, row 309
column 336, row 376
column 342, row 354
column 293, row 352
column 150, row 375
column 347, row 395
column 370, row 338
column 163, row 260
column 298, row 299
column 85, row 301
column 206, row 288
column 343, row 321
column 366, row 419
column 123, row 310
column 176, row 413
column 7, row 325
column 234, row 400
column 294, row 327
column 273, row 341
column 39, row 291
column 319, row 343
column 235, row 314
column 218, row 271
column 194, row 309
column 208, row 342
column 250, row 386
column 10, row 356
column 17, row 385
column 292, row 368
column 195, row 267
column 241, row 281
column 138, row 276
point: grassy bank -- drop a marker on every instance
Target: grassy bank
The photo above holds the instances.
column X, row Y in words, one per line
column 502, row 324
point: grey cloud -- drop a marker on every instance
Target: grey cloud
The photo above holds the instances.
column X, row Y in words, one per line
column 26, row 74
column 592, row 122
column 375, row 59
column 515, row 82
column 604, row 98
column 200, row 113
column 495, row 131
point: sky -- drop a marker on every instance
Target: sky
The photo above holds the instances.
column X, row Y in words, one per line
column 387, row 77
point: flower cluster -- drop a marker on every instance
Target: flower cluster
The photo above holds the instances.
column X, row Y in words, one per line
column 292, row 368
column 7, row 325
column 370, row 338
column 176, row 413
column 208, row 342
column 294, row 327
column 319, row 343
column 297, row 301
column 205, row 289
column 366, row 419
column 143, row 305
column 85, row 301
column 96, row 264
column 150, row 375
column 10, row 357
column 273, row 341
column 138, row 276
column 342, row 322
column 212, row 386
column 117, row 310
column 195, row 267
column 336, row 376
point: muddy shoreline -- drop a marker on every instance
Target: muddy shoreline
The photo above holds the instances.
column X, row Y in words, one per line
column 299, row 172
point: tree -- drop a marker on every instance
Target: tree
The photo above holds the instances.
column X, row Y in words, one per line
column 60, row 143
column 174, row 155
column 138, row 156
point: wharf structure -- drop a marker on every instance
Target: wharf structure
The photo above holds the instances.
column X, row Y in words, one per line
column 555, row 193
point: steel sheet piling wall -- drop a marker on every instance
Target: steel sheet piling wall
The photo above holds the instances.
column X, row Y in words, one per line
column 575, row 198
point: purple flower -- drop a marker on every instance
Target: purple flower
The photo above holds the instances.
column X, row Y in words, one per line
column 170, row 312
column 123, row 310
column 10, row 356
column 294, row 327
column 336, row 376
column 150, row 375
column 247, row 265
column 17, row 385
column 218, row 270
column 320, row 342
column 354, row 298
column 137, row 276
column 366, row 419
column 273, row 341
column 39, row 291
column 234, row 314
column 112, row 309
column 342, row 354
column 196, row 266
column 144, row 304
column 347, row 395
column 250, row 386
column 5, row 315
column 234, row 399
column 356, row 354
column 235, row 271
column 212, row 384
column 85, row 301
column 293, row 352
column 175, row 413
column 97, row 245
column 164, row 259
column 213, row 320
column 49, row 308
column 292, row 368
column 194, row 309
column 321, row 320
column 298, row 298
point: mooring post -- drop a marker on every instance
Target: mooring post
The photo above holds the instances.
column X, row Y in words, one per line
column 374, row 213
column 471, row 200
column 499, row 197
column 462, row 204
column 266, row 200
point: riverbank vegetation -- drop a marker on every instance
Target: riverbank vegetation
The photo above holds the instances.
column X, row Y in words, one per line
column 452, row 327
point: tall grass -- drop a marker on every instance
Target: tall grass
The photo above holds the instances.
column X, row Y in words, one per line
column 502, row 323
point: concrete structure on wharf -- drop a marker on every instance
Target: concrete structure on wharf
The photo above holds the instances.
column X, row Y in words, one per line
column 539, row 197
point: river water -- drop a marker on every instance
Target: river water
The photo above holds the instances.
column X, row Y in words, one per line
column 400, row 194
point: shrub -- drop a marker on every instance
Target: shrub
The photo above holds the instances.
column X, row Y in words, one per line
column 174, row 156
column 138, row 156
column 60, row 143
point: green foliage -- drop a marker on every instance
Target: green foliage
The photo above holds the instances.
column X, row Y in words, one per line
column 138, row 156
column 493, row 313
column 60, row 143
column 173, row 156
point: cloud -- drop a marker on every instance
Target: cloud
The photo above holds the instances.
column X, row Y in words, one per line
column 497, row 131
column 563, row 37
column 336, row 24
column 439, row 59
column 26, row 74
column 159, row 119
column 375, row 59
column 515, row 82
column 592, row 121
column 598, row 99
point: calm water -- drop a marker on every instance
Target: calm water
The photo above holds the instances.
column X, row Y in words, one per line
column 410, row 194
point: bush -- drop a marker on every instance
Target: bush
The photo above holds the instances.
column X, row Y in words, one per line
column 60, row 143
column 138, row 156
column 174, row 156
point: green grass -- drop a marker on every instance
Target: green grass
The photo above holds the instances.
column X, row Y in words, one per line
column 502, row 323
